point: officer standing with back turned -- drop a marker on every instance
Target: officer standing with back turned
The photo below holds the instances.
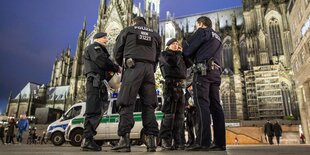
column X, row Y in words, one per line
column 97, row 65
column 137, row 48
column 205, row 48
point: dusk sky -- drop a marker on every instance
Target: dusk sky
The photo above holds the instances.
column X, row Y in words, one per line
column 34, row 32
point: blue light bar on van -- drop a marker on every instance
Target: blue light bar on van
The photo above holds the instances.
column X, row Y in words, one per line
column 157, row 91
column 114, row 95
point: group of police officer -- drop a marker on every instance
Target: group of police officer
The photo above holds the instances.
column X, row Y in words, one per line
column 137, row 51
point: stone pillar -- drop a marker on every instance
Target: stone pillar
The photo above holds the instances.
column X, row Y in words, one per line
column 303, row 112
column 18, row 105
column 239, row 97
column 306, row 107
column 8, row 105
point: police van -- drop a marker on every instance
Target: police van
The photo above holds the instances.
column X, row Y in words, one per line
column 107, row 129
column 56, row 130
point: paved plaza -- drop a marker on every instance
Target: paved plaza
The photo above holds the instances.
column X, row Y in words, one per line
column 49, row 149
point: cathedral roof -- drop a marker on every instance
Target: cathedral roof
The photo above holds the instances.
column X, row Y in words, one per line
column 58, row 92
column 222, row 16
column 30, row 88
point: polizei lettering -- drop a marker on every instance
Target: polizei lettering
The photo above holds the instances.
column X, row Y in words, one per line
column 143, row 28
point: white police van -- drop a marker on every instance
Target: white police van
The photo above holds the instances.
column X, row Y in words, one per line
column 55, row 131
column 107, row 129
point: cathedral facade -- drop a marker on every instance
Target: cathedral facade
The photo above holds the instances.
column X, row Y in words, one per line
column 112, row 18
column 256, row 81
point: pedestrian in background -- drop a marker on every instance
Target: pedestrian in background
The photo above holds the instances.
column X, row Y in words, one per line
column 277, row 131
column 22, row 126
column 2, row 132
column 269, row 132
column 10, row 132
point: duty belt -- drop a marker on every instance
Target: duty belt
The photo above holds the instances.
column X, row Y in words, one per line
column 204, row 67
column 131, row 63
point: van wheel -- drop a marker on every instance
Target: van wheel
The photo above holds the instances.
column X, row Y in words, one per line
column 99, row 142
column 58, row 138
column 76, row 137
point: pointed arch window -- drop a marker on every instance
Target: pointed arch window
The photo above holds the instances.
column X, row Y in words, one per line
column 243, row 55
column 275, row 37
column 228, row 57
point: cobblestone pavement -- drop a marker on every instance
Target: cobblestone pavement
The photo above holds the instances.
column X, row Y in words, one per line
column 49, row 149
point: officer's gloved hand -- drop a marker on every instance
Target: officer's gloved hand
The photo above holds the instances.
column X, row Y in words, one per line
column 120, row 69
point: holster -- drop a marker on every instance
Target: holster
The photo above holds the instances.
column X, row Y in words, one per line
column 129, row 63
column 96, row 79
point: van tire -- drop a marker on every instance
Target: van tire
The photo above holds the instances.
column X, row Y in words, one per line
column 76, row 137
column 58, row 138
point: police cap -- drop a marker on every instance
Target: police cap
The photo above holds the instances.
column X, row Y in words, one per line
column 171, row 41
column 100, row 35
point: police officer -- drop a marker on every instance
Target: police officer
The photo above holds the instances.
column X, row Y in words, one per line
column 97, row 65
column 173, row 67
column 205, row 48
column 137, row 49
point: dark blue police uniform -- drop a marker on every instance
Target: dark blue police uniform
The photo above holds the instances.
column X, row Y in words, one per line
column 137, row 49
column 205, row 47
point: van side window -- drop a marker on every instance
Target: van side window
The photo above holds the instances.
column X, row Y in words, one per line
column 75, row 111
column 160, row 103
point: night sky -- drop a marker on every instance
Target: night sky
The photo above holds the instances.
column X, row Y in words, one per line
column 34, row 32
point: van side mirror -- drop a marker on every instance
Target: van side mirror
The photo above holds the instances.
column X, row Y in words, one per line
column 63, row 117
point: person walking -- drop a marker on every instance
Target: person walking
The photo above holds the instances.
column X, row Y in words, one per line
column 97, row 67
column 205, row 48
column 137, row 49
column 10, row 132
column 22, row 126
column 173, row 67
column 277, row 131
column 269, row 132
column 2, row 133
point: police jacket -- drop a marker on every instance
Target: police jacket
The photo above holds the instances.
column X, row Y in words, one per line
column 139, row 43
column 173, row 65
column 204, row 44
column 96, row 60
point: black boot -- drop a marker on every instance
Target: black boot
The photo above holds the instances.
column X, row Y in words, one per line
column 123, row 144
column 90, row 145
column 197, row 147
column 166, row 144
column 151, row 143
